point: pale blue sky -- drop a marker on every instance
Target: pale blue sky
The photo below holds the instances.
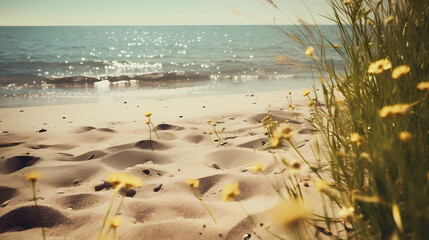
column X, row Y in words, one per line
column 154, row 12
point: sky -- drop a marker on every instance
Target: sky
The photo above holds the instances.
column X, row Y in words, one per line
column 157, row 12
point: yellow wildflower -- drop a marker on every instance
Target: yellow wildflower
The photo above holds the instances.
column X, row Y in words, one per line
column 306, row 92
column 132, row 181
column 209, row 121
column 284, row 131
column 310, row 103
column 33, row 175
column 115, row 222
column 120, row 179
column 116, row 179
column 148, row 114
column 194, row 183
column 423, row 86
column 309, row 51
column 290, row 214
column 230, row 191
column 346, row 212
column 295, row 168
column 357, row 139
column 147, row 121
column 257, row 167
column 400, row 71
column 320, row 185
column 379, row 66
column 395, row 110
column 274, row 141
column 347, row 1
column 405, row 136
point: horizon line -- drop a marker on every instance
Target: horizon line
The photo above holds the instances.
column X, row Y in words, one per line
column 160, row 25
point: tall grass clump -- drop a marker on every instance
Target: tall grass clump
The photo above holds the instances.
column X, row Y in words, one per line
column 373, row 118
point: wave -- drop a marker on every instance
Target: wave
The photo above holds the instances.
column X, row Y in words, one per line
column 19, row 81
column 148, row 79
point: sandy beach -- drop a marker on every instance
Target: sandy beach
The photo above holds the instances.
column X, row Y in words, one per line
column 75, row 147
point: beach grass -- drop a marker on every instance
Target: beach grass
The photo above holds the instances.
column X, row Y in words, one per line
column 372, row 118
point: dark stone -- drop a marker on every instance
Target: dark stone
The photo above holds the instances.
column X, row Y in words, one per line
column 42, row 130
column 130, row 193
column 105, row 185
column 157, row 188
column 146, row 171
column 91, row 157
column 215, row 166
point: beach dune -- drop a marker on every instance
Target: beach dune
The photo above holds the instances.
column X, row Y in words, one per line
column 76, row 146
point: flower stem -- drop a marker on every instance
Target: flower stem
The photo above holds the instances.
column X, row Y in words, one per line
column 208, row 210
column 120, row 205
column 154, row 129
column 150, row 137
column 302, row 157
column 247, row 213
column 211, row 140
column 107, row 215
column 33, row 183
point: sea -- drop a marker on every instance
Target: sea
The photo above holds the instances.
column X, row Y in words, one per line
column 51, row 65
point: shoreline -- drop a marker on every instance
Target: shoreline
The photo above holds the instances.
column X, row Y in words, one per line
column 108, row 92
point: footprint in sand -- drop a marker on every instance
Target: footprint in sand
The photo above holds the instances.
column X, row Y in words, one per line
column 6, row 193
column 29, row 217
column 16, row 163
column 80, row 201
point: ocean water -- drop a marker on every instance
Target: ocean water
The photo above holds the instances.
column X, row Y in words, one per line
column 57, row 65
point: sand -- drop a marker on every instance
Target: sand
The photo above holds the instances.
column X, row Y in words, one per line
column 83, row 143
